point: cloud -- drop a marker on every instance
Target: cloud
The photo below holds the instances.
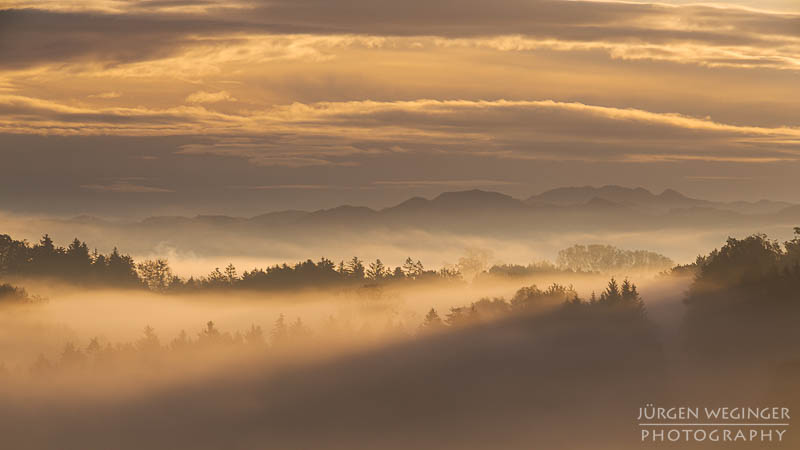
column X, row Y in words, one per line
column 344, row 133
column 289, row 186
column 146, row 31
column 40, row 116
column 106, row 95
column 712, row 158
column 287, row 151
column 210, row 97
column 718, row 178
column 125, row 186
column 444, row 183
column 781, row 56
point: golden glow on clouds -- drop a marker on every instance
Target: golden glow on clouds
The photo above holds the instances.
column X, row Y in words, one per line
column 783, row 56
column 326, row 117
column 210, row 97
column 611, row 81
column 335, row 133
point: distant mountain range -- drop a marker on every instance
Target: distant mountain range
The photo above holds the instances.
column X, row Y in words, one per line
column 613, row 208
column 642, row 199
column 450, row 220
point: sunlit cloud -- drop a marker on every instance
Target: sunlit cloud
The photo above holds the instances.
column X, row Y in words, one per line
column 106, row 95
column 734, row 159
column 334, row 133
column 313, row 85
column 210, row 97
column 782, row 55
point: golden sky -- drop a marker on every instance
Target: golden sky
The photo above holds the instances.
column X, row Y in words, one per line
column 245, row 106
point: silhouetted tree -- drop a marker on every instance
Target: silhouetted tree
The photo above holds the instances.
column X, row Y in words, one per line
column 149, row 342
column 745, row 299
column 156, row 274
column 607, row 258
column 254, row 336
column 473, row 262
column 298, row 331
column 432, row 321
column 533, row 298
column 79, row 261
column 280, row 332
column 355, row 268
column 72, row 356
column 413, row 269
column 12, row 294
column 181, row 341
column 376, row 271
column 121, row 269
column 209, row 335
column 230, row 274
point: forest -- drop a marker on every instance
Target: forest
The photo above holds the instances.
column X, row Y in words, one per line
column 328, row 358
column 76, row 264
column 737, row 293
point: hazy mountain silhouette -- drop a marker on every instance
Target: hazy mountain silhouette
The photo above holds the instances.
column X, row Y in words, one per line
column 604, row 203
column 473, row 209
column 647, row 201
column 568, row 196
column 467, row 213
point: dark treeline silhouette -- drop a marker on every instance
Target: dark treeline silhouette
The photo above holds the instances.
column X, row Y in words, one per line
column 621, row 300
column 75, row 263
column 16, row 295
column 323, row 273
column 745, row 299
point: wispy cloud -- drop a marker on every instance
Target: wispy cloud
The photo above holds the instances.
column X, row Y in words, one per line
column 719, row 178
column 125, row 186
column 444, row 183
column 710, row 35
column 268, row 187
column 210, row 97
column 106, row 95
column 343, row 133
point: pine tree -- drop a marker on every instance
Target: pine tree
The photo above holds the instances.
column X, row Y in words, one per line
column 355, row 268
column 230, row 273
column 280, row 332
column 432, row 321
column 376, row 271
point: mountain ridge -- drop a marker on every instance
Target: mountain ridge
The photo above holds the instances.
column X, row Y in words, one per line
column 478, row 205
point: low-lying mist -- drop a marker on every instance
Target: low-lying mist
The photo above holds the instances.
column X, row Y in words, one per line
column 413, row 367
column 98, row 352
column 195, row 248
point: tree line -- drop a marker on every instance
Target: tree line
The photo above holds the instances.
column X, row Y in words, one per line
column 76, row 264
column 621, row 299
column 607, row 258
column 618, row 300
column 745, row 299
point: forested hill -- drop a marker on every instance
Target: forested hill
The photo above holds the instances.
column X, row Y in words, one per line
column 77, row 264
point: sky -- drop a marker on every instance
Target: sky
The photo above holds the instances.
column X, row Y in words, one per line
column 142, row 107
